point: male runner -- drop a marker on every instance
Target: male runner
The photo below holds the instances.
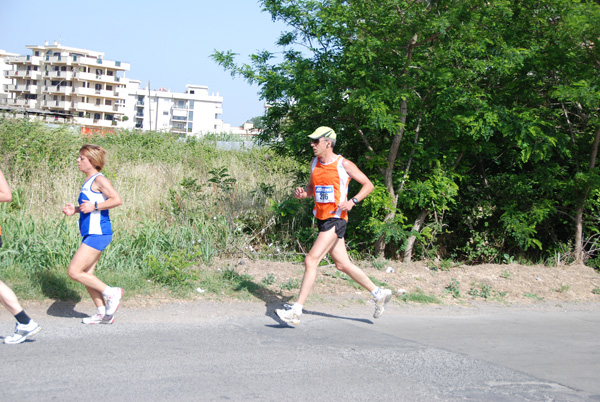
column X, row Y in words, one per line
column 329, row 179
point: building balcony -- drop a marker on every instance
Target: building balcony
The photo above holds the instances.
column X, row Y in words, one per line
column 114, row 65
column 15, row 74
column 65, row 75
column 57, row 59
column 110, row 79
column 20, row 88
column 57, row 104
column 27, row 103
column 101, row 93
column 23, row 74
column 56, row 89
column 92, row 108
column 28, row 59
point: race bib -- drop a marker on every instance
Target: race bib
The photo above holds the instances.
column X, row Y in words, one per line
column 324, row 194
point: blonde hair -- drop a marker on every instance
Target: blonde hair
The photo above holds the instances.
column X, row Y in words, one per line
column 95, row 154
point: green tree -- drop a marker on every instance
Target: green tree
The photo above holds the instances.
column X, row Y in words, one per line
column 479, row 112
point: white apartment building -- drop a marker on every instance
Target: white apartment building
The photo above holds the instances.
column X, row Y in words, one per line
column 79, row 86
column 193, row 112
column 68, row 81
column 5, row 81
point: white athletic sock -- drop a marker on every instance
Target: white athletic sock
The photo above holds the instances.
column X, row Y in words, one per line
column 297, row 308
column 376, row 293
column 107, row 292
column 101, row 310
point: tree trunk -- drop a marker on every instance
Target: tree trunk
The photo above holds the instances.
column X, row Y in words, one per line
column 579, row 251
column 388, row 176
column 411, row 240
column 579, row 236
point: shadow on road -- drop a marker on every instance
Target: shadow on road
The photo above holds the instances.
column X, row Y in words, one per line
column 274, row 300
column 59, row 289
column 363, row 320
column 62, row 308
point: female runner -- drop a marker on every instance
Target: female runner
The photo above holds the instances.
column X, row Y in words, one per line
column 96, row 198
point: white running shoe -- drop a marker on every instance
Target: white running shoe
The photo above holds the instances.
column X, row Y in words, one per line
column 113, row 301
column 99, row 319
column 381, row 303
column 23, row 332
column 288, row 316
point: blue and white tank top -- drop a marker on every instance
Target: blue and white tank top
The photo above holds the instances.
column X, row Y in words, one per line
column 96, row 222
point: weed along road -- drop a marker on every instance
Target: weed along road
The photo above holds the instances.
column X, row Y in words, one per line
column 211, row 351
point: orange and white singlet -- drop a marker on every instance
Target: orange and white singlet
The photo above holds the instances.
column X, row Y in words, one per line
column 330, row 187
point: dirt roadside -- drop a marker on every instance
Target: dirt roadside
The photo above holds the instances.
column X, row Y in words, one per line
column 476, row 289
column 507, row 284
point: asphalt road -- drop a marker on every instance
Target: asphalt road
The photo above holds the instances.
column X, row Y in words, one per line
column 209, row 351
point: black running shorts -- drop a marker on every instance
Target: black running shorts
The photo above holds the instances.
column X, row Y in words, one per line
column 327, row 224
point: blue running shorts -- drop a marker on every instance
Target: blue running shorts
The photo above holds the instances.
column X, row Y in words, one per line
column 98, row 242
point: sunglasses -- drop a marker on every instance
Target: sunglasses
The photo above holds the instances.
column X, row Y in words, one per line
column 317, row 141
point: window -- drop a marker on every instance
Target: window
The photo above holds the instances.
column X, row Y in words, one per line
column 110, row 73
column 191, row 104
column 165, row 113
column 190, row 115
column 96, row 116
column 109, row 87
column 98, row 87
column 192, row 91
column 98, row 102
column 108, row 102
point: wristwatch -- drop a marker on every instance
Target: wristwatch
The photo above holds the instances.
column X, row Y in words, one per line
column 96, row 205
column 355, row 201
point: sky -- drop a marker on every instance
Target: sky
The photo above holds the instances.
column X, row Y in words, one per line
column 167, row 42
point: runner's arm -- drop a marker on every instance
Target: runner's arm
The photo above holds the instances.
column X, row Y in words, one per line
column 113, row 198
column 304, row 192
column 355, row 173
column 5, row 194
